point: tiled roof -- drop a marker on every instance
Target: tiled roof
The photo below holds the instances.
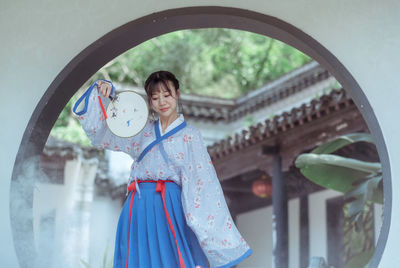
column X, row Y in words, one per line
column 306, row 113
column 63, row 148
column 218, row 109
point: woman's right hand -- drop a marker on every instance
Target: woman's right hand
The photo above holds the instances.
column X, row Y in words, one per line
column 104, row 88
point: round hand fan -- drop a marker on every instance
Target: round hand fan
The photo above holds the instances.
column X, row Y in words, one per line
column 127, row 114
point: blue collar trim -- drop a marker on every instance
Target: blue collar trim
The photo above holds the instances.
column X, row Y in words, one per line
column 159, row 138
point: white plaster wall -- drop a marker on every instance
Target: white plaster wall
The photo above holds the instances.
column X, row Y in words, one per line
column 40, row 37
column 59, row 198
column 253, row 225
column 256, row 227
column 317, row 222
column 72, row 203
column 294, row 233
column 48, row 196
column 103, row 227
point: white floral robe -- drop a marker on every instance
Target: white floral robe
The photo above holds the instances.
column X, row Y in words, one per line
column 183, row 158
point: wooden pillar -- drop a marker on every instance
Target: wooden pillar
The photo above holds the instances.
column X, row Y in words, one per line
column 304, row 232
column 280, row 211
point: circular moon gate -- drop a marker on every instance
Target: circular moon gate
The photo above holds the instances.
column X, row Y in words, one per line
column 114, row 43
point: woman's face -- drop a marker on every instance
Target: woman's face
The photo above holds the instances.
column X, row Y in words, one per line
column 164, row 103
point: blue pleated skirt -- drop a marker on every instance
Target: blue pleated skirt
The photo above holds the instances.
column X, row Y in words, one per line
column 151, row 242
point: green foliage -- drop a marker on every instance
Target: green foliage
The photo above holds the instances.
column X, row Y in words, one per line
column 215, row 62
column 334, row 172
column 106, row 263
column 342, row 141
column 64, row 117
column 359, row 180
column 249, row 121
column 358, row 246
column 361, row 260
column 67, row 126
column 71, row 132
column 85, row 264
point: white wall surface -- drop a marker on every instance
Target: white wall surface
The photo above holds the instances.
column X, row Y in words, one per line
column 318, row 231
column 256, row 227
column 59, row 199
column 103, row 227
column 253, row 225
column 40, row 37
column 294, row 233
column 74, row 226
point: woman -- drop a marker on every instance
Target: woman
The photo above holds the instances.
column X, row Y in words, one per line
column 175, row 214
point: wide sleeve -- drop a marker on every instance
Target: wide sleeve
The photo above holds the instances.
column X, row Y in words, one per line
column 90, row 113
column 205, row 208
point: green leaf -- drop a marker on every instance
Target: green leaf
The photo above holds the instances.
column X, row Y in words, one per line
column 85, row 264
column 334, row 172
column 342, row 141
column 360, row 260
column 328, row 159
column 370, row 190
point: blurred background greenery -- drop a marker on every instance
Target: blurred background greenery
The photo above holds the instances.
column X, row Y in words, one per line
column 216, row 62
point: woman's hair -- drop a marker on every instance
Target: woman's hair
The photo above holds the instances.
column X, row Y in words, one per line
column 157, row 79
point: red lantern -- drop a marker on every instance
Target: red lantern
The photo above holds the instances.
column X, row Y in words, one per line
column 262, row 188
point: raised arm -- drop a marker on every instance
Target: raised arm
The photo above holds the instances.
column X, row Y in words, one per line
column 90, row 109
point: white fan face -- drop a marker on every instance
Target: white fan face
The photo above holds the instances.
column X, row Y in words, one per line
column 127, row 114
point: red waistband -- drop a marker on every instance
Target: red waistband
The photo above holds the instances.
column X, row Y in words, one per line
column 140, row 181
column 132, row 186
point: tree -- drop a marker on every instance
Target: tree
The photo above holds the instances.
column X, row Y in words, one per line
column 216, row 62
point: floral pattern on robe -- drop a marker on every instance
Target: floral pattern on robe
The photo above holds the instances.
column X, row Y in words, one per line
column 185, row 161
